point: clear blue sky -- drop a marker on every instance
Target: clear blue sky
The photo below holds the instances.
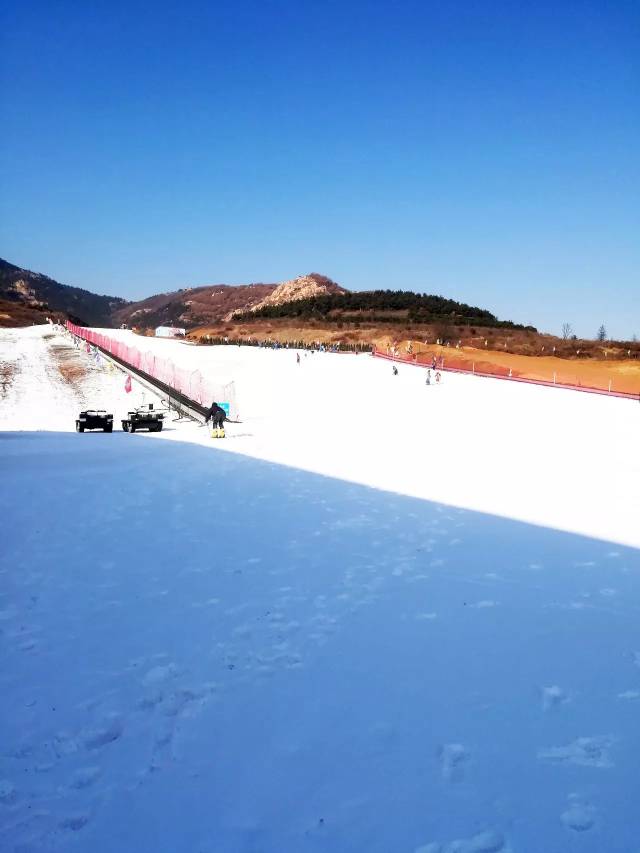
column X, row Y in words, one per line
column 487, row 151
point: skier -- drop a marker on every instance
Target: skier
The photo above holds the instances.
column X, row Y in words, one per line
column 428, row 381
column 395, row 370
column 217, row 416
column 438, row 377
column 297, row 358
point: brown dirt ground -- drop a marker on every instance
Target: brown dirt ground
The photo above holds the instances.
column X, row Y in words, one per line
column 68, row 363
column 7, row 372
column 15, row 314
column 624, row 375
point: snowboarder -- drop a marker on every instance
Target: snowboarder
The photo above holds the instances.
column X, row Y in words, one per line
column 217, row 416
column 428, row 380
column 395, row 370
column 297, row 358
column 438, row 377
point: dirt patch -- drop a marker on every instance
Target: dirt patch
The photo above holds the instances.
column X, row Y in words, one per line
column 7, row 372
column 614, row 375
column 68, row 363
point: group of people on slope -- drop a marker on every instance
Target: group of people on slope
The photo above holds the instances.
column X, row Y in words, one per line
column 438, row 375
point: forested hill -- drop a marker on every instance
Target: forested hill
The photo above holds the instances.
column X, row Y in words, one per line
column 383, row 306
column 29, row 296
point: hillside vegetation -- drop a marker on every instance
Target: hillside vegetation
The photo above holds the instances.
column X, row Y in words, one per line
column 29, row 295
column 383, row 306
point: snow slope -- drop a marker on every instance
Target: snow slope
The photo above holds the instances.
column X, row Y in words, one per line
column 204, row 651
column 39, row 397
column 553, row 457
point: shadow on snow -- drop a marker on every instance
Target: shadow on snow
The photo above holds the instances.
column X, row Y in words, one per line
column 202, row 651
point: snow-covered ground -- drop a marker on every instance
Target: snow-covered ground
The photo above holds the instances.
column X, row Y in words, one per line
column 557, row 458
column 39, row 397
column 202, row 650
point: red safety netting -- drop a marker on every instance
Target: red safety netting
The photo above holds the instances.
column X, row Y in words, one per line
column 191, row 383
column 458, row 365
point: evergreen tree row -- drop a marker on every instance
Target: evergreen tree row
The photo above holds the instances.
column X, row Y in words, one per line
column 379, row 306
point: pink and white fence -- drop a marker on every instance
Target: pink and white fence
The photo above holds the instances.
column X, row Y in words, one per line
column 191, row 383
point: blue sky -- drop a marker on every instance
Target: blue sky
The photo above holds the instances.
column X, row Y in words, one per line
column 487, row 151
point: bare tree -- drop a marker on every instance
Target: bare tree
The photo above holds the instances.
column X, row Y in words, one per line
column 602, row 333
column 566, row 331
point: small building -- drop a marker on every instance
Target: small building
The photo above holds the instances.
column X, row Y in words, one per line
column 170, row 332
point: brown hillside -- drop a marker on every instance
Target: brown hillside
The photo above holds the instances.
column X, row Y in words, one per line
column 34, row 291
column 192, row 306
column 200, row 306
column 18, row 314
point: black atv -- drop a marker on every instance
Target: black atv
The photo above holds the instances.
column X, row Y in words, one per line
column 143, row 418
column 94, row 419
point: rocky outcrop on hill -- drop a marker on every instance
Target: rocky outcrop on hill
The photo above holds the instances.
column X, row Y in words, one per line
column 219, row 303
column 302, row 287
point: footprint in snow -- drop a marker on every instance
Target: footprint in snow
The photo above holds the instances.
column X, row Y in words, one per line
column 8, row 793
column 84, row 777
column 110, row 731
column 484, row 842
column 629, row 694
column 584, row 751
column 453, row 760
column 553, row 697
column 579, row 816
column 74, row 822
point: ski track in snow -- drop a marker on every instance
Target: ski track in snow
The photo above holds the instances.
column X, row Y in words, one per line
column 200, row 651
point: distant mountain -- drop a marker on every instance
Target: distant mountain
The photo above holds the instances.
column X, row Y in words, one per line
column 27, row 297
column 193, row 306
column 30, row 296
column 203, row 306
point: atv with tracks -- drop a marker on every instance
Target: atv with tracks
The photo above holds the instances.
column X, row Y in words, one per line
column 144, row 417
column 94, row 419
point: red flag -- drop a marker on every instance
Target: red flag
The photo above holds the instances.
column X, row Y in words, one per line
column 127, row 385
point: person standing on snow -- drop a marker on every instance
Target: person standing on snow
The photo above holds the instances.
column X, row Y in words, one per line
column 217, row 416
